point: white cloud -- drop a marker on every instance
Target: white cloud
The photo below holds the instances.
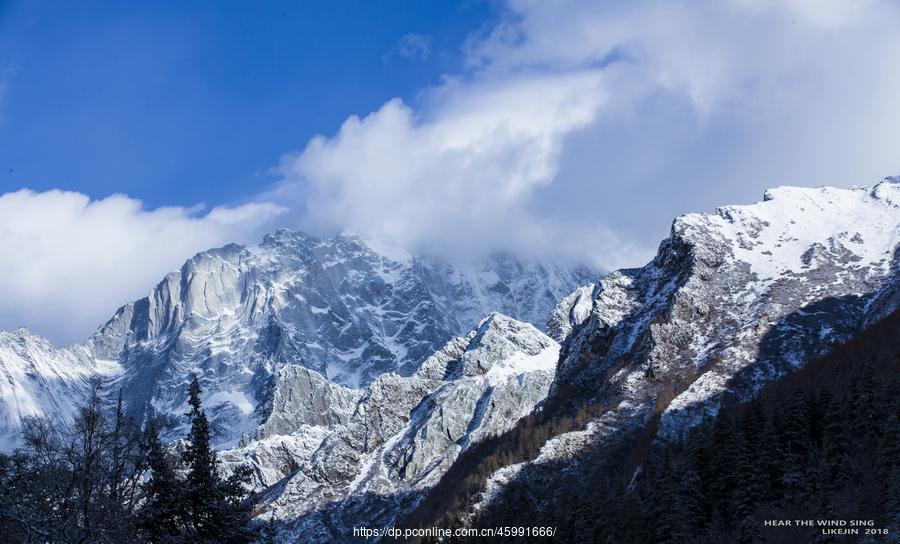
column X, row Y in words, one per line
column 456, row 179
column 71, row 262
column 721, row 54
column 414, row 46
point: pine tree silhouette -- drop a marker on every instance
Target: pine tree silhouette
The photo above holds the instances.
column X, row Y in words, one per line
column 162, row 516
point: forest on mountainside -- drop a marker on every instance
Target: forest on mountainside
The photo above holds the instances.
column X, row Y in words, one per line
column 821, row 444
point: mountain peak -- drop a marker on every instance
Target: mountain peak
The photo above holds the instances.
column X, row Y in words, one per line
column 350, row 308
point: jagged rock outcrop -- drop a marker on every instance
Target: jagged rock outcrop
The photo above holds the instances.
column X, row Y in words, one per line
column 349, row 308
column 304, row 397
column 570, row 311
column 405, row 432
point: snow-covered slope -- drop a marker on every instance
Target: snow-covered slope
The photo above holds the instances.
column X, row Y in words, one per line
column 368, row 467
column 348, row 308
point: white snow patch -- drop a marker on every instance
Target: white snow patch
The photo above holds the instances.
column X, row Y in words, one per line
column 521, row 363
column 793, row 219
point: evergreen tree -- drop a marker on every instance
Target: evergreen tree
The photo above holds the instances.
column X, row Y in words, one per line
column 634, row 520
column 604, row 512
column 694, row 501
column 162, row 518
column 202, row 508
column 827, row 511
column 201, row 490
column 581, row 517
column 750, row 531
column 753, row 428
column 695, row 449
column 834, row 468
column 864, row 406
column 668, row 511
column 747, row 482
column 216, row 512
column 558, row 514
column 798, row 448
column 770, row 461
column 887, row 467
column 892, row 395
column 722, row 458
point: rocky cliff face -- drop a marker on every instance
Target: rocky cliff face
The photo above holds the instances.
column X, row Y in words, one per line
column 368, row 466
column 349, row 309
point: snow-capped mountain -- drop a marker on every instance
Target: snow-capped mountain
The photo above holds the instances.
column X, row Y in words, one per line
column 342, row 372
column 732, row 301
column 348, row 308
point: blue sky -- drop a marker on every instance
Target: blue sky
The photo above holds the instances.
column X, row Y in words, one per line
column 134, row 134
column 177, row 103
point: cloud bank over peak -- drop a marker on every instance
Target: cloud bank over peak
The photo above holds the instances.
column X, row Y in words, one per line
column 456, row 178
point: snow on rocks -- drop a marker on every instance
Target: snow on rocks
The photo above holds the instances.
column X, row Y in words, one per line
column 731, row 301
column 37, row 379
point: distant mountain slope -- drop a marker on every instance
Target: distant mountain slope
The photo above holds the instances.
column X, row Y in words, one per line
column 37, row 379
column 349, row 308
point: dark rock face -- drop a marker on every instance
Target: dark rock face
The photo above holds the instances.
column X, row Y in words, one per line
column 304, row 397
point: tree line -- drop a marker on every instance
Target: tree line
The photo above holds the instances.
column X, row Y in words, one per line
column 820, row 444
column 106, row 479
